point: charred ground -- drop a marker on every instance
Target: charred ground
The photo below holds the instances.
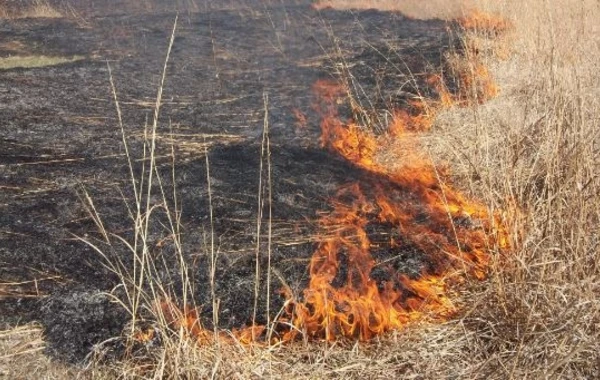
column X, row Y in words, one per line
column 60, row 137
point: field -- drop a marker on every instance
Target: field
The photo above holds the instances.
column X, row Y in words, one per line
column 300, row 189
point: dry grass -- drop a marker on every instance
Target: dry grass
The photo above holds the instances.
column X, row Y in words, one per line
column 443, row 9
column 535, row 146
column 33, row 9
column 430, row 352
column 21, row 356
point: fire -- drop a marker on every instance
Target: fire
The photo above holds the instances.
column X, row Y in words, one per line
column 475, row 82
column 418, row 118
column 423, row 213
column 484, row 22
column 353, row 291
column 360, row 307
column 187, row 320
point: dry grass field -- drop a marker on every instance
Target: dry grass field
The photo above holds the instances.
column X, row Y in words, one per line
column 530, row 152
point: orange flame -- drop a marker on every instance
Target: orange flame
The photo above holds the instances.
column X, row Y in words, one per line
column 474, row 83
column 428, row 218
column 359, row 308
column 484, row 22
column 414, row 201
column 187, row 320
column 422, row 211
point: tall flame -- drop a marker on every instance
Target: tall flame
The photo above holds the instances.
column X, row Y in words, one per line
column 350, row 292
column 343, row 298
column 414, row 202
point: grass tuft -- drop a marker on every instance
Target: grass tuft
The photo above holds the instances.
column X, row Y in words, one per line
column 34, row 9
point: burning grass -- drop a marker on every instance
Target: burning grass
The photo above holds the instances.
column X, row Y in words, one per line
column 361, row 307
column 472, row 79
column 484, row 23
column 351, row 294
column 536, row 145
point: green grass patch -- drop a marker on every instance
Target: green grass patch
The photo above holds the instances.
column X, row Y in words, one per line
column 35, row 61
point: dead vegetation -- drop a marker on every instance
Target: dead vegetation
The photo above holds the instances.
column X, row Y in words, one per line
column 412, row 8
column 536, row 145
column 30, row 9
column 21, row 355
column 531, row 147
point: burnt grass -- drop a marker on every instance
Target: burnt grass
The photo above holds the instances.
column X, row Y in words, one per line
column 60, row 138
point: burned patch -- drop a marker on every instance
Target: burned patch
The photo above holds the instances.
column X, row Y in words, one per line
column 62, row 143
column 78, row 319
